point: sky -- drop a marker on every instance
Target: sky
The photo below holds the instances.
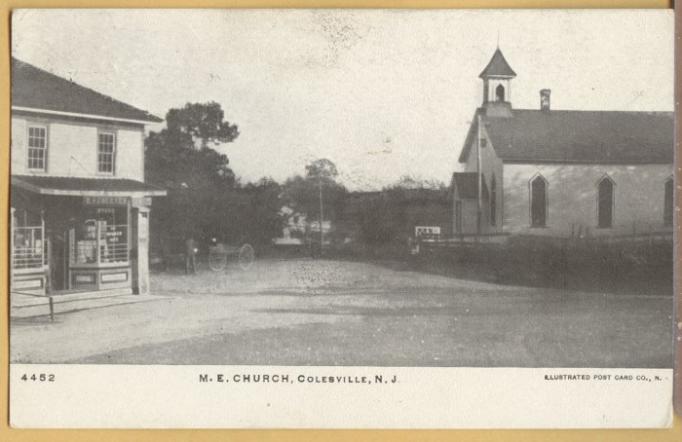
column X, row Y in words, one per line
column 382, row 94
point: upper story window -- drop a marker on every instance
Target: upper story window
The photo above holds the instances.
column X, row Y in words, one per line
column 37, row 148
column 106, row 152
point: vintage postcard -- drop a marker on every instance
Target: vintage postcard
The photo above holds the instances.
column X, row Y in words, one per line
column 341, row 219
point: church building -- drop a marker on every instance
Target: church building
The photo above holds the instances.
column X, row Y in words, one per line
column 561, row 173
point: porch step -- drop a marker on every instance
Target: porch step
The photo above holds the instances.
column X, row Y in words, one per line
column 80, row 301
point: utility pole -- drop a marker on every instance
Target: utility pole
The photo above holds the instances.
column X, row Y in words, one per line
column 479, row 211
column 321, row 217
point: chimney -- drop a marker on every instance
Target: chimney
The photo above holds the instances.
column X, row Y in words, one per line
column 544, row 99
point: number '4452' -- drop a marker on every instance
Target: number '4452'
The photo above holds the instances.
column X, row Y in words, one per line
column 38, row 377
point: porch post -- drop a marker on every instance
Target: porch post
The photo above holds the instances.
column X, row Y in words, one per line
column 142, row 261
column 47, row 282
column 42, row 236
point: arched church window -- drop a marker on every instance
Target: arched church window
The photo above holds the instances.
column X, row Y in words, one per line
column 499, row 92
column 668, row 203
column 605, row 203
column 538, row 202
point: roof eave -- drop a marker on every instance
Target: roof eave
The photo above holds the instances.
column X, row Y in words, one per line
column 33, row 188
column 483, row 75
column 151, row 120
column 464, row 155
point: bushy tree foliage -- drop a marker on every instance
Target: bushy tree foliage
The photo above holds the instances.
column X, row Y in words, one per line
column 181, row 155
column 204, row 198
column 390, row 215
column 247, row 213
column 303, row 192
column 411, row 182
column 377, row 220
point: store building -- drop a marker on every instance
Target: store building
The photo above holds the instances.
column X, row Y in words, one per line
column 79, row 205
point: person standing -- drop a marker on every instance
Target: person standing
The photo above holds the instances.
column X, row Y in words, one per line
column 190, row 256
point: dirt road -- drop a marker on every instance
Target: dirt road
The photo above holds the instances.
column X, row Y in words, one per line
column 305, row 312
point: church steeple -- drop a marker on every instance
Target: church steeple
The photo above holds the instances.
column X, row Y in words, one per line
column 497, row 77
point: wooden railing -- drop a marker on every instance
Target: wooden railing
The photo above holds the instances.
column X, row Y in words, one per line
column 28, row 248
column 50, row 300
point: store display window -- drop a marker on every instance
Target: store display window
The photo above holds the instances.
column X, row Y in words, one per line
column 101, row 237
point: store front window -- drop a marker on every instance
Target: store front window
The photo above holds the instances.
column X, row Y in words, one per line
column 28, row 240
column 101, row 237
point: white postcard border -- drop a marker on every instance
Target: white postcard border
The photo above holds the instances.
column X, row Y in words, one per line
column 193, row 396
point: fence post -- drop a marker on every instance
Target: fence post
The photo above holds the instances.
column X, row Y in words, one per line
column 51, row 308
column 97, row 243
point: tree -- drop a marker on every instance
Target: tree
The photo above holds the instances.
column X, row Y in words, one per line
column 411, row 182
column 205, row 199
column 391, row 215
column 303, row 192
column 250, row 213
column 180, row 156
column 181, row 159
column 322, row 169
column 376, row 219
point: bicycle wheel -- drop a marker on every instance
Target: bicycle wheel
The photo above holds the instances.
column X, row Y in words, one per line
column 217, row 261
column 246, row 256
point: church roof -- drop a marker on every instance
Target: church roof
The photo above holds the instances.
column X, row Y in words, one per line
column 38, row 89
column 591, row 137
column 498, row 67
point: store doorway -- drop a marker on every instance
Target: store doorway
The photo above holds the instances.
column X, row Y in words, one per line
column 58, row 259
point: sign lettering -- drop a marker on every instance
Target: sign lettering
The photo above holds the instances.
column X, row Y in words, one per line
column 105, row 200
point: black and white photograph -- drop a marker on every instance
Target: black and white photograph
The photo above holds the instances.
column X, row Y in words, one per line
column 402, row 192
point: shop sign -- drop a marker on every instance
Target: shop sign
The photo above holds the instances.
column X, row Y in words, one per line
column 114, row 277
column 105, row 200
column 28, row 284
column 84, row 278
column 114, row 236
column 144, row 201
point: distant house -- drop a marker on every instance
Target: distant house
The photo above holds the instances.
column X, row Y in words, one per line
column 560, row 173
column 79, row 205
column 293, row 232
column 298, row 229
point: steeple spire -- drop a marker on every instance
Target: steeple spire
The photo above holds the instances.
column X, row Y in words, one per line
column 497, row 76
column 498, row 67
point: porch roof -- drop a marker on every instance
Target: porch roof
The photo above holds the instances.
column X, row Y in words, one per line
column 466, row 185
column 71, row 186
